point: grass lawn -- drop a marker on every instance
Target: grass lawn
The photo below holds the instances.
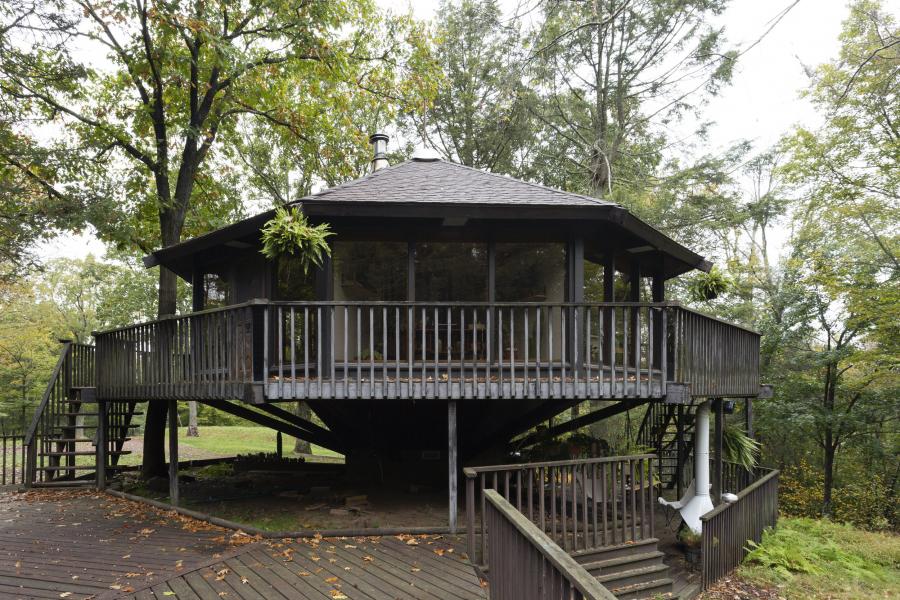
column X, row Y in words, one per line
column 220, row 441
column 820, row 560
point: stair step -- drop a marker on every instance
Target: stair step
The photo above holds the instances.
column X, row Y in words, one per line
column 658, row 588
column 631, row 577
column 624, row 563
column 615, row 551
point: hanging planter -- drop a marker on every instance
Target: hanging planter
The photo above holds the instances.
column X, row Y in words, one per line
column 289, row 233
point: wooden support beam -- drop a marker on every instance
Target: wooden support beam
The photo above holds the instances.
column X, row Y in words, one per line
column 198, row 293
column 718, row 406
column 452, row 468
column 411, row 271
column 279, row 445
column 748, row 418
column 102, row 443
column 609, row 295
column 273, row 423
column 173, row 452
column 320, row 433
column 634, row 281
column 679, row 449
column 500, row 432
column 578, row 423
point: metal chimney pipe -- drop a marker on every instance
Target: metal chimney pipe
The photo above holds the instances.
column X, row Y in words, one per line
column 379, row 146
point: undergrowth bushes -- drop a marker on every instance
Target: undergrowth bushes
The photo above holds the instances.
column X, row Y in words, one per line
column 811, row 558
column 867, row 503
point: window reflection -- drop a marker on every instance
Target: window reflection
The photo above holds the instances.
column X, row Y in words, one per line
column 370, row 270
column 451, row 272
column 530, row 272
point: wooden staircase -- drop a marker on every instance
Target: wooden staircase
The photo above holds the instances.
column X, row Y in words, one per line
column 62, row 440
column 631, row 570
column 659, row 431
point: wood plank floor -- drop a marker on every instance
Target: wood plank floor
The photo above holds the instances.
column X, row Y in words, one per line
column 81, row 544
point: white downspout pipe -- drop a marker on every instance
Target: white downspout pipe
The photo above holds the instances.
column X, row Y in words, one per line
column 701, row 503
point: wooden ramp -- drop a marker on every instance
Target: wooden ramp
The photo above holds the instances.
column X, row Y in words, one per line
column 81, row 544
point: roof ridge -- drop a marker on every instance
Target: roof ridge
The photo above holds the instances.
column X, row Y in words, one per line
column 350, row 183
column 531, row 183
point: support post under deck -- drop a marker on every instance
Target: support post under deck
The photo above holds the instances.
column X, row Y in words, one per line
column 173, row 452
column 748, row 418
column 451, row 463
column 718, row 405
column 102, row 442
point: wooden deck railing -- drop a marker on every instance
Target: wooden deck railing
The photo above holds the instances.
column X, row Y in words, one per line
column 12, row 464
column 333, row 350
column 728, row 527
column 716, row 357
column 528, row 565
column 581, row 504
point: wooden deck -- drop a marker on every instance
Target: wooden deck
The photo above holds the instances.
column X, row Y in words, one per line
column 84, row 544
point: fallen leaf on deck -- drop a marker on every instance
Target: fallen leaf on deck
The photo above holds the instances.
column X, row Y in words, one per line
column 331, row 580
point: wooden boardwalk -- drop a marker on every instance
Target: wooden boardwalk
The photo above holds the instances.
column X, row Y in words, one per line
column 82, row 544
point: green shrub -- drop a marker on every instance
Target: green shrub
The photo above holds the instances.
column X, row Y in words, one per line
column 867, row 503
column 812, row 558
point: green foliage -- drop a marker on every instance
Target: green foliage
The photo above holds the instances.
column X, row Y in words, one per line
column 479, row 116
column 289, row 233
column 738, row 447
column 609, row 76
column 865, row 501
column 708, row 286
column 809, row 558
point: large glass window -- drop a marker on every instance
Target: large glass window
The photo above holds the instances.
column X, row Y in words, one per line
column 453, row 271
column 370, row 270
column 292, row 283
column 530, row 272
column 215, row 291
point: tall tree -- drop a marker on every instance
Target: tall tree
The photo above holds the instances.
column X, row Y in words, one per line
column 613, row 74
column 150, row 99
column 848, row 241
column 479, row 116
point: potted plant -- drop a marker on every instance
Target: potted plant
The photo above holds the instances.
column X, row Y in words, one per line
column 689, row 542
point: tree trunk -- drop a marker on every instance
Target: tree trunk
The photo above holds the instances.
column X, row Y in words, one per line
column 302, row 446
column 154, row 461
column 828, row 486
column 192, row 429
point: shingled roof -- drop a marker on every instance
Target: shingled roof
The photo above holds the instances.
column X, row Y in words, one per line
column 434, row 189
column 440, row 181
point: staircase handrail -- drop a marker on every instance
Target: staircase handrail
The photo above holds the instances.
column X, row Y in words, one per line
column 48, row 391
column 579, row 583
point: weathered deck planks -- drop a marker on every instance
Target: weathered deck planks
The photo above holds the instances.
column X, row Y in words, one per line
column 82, row 544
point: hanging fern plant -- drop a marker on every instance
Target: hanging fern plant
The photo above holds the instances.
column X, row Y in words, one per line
column 708, row 286
column 738, row 447
column 289, row 233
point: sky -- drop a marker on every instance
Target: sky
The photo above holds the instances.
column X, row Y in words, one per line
column 762, row 103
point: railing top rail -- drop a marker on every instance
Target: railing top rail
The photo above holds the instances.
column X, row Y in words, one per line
column 473, row 471
column 463, row 303
column 29, row 436
column 574, row 572
column 680, row 306
column 741, row 495
column 168, row 318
